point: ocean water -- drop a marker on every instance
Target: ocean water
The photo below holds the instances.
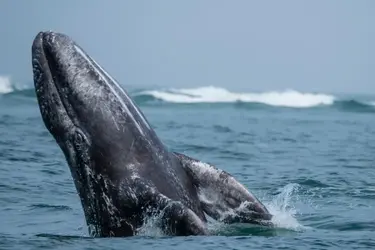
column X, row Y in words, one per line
column 308, row 157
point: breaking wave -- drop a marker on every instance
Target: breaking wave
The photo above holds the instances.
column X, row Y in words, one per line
column 282, row 99
column 211, row 94
column 221, row 96
column 7, row 86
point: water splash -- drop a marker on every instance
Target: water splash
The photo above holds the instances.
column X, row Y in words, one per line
column 151, row 226
column 281, row 206
column 283, row 209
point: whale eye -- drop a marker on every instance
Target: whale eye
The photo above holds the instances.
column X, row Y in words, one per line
column 79, row 139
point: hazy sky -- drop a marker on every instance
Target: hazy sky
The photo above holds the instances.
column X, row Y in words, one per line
column 326, row 45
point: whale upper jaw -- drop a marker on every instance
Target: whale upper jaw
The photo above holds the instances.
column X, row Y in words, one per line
column 81, row 103
column 61, row 67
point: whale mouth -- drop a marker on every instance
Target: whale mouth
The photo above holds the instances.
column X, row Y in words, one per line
column 44, row 64
column 43, row 49
column 53, row 110
column 42, row 59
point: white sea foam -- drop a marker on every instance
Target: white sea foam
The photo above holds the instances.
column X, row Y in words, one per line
column 8, row 86
column 5, row 85
column 211, row 94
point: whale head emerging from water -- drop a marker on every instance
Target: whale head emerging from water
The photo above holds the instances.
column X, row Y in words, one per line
column 121, row 169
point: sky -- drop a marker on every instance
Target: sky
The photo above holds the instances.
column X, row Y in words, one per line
column 320, row 46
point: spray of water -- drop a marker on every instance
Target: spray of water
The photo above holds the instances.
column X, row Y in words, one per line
column 281, row 206
column 151, row 226
column 283, row 209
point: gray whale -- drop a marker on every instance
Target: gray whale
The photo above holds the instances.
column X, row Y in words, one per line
column 121, row 169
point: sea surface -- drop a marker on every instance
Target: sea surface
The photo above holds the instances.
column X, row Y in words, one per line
column 309, row 157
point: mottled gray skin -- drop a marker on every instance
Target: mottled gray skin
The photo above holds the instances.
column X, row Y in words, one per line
column 222, row 196
column 122, row 171
column 119, row 165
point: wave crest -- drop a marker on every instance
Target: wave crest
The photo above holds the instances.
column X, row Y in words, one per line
column 211, row 94
column 214, row 95
column 5, row 85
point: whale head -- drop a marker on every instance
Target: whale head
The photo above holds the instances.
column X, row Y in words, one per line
column 93, row 120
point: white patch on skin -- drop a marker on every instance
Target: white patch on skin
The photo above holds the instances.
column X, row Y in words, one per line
column 111, row 88
column 221, row 192
column 206, row 173
column 109, row 206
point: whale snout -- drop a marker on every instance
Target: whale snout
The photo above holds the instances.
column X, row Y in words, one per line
column 50, row 46
column 50, row 40
column 75, row 92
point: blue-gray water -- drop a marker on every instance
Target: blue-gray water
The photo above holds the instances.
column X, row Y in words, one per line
column 311, row 163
